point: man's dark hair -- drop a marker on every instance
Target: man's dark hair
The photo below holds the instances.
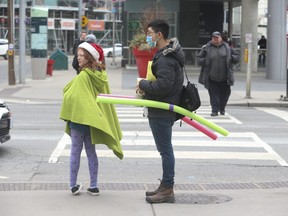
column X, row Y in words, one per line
column 160, row 25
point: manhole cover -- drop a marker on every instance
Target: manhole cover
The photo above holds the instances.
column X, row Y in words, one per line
column 184, row 198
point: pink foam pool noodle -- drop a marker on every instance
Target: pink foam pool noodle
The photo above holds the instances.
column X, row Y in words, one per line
column 200, row 127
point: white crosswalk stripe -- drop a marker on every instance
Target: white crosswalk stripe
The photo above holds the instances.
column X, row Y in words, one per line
column 279, row 113
column 140, row 144
column 125, row 114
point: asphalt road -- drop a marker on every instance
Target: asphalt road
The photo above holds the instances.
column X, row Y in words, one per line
column 255, row 151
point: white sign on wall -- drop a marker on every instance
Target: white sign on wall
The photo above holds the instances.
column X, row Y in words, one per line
column 67, row 24
column 51, row 23
column 248, row 38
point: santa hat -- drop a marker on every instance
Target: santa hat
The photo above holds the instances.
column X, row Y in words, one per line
column 99, row 50
column 91, row 49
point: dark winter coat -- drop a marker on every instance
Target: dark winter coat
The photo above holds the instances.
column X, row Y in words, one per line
column 167, row 67
column 203, row 59
column 75, row 63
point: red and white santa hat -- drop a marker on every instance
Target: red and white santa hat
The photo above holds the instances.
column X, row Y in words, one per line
column 91, row 49
column 99, row 50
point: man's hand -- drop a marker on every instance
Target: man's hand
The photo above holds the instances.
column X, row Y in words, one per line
column 139, row 92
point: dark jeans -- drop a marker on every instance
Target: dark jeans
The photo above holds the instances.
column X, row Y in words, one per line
column 262, row 58
column 219, row 93
column 162, row 132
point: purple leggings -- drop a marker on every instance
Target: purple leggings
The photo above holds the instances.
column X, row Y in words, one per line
column 77, row 138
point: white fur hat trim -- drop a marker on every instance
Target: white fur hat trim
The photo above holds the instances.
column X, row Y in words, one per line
column 91, row 50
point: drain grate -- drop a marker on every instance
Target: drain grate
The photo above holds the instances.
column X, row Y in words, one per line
column 144, row 186
column 33, row 186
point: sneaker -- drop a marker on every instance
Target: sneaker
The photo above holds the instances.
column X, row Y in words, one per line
column 76, row 189
column 93, row 191
column 222, row 112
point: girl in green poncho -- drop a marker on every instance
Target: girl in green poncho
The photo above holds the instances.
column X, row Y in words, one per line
column 88, row 122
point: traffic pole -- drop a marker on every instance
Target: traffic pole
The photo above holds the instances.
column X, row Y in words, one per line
column 80, row 13
column 248, row 39
column 22, row 44
column 11, row 70
column 113, row 63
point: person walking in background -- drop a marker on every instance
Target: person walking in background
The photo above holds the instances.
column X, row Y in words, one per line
column 87, row 121
column 262, row 43
column 77, row 42
column 90, row 38
column 216, row 59
column 167, row 67
column 225, row 38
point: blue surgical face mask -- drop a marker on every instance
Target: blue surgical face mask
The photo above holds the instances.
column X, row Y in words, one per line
column 150, row 42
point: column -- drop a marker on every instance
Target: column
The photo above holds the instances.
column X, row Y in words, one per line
column 249, row 24
column 39, row 42
column 276, row 40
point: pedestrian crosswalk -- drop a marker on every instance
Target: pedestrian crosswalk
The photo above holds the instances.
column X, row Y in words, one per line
column 135, row 115
column 279, row 113
column 187, row 142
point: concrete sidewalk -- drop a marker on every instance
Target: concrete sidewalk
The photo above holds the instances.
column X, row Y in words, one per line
column 125, row 203
column 263, row 92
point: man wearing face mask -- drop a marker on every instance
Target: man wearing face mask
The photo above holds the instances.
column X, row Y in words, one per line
column 217, row 59
column 167, row 67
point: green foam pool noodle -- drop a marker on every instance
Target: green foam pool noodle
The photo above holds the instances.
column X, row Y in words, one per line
column 165, row 106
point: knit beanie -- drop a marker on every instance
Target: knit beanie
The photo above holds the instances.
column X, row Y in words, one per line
column 91, row 38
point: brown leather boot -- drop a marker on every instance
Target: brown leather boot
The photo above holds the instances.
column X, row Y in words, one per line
column 152, row 193
column 164, row 195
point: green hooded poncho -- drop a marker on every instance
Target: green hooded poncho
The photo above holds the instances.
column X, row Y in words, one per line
column 80, row 106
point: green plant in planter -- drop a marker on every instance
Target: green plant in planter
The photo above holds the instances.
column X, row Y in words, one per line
column 156, row 11
column 139, row 42
column 141, row 50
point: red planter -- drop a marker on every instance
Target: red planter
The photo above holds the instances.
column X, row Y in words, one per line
column 142, row 58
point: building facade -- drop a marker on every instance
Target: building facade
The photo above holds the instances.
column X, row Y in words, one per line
column 63, row 21
column 191, row 21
